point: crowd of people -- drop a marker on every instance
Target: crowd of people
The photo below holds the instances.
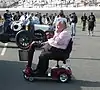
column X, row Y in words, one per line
column 50, row 19
column 91, row 22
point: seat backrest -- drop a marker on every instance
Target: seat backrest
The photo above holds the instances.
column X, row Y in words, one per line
column 69, row 47
column 68, row 50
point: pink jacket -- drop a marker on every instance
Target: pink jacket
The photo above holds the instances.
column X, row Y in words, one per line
column 60, row 40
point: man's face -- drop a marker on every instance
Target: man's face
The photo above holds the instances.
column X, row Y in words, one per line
column 84, row 14
column 60, row 26
column 91, row 13
column 7, row 11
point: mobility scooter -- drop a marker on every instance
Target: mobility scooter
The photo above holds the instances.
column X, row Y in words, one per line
column 60, row 73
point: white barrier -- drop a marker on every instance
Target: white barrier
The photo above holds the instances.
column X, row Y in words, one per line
column 64, row 8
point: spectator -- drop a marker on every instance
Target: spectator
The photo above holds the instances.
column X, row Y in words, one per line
column 44, row 20
column 91, row 23
column 60, row 17
column 73, row 22
column 16, row 16
column 36, row 19
column 8, row 19
column 83, row 20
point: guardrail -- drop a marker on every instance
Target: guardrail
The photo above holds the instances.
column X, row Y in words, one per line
column 49, row 9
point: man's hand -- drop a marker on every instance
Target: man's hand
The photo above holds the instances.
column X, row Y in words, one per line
column 94, row 24
column 43, row 43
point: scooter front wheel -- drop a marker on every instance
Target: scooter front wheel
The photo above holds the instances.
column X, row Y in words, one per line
column 31, row 79
column 25, row 77
column 28, row 78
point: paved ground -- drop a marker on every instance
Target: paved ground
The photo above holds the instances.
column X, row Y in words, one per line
column 85, row 63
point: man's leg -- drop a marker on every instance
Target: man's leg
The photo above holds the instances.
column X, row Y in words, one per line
column 74, row 28
column 84, row 26
column 92, row 30
column 71, row 29
column 5, row 26
column 89, row 28
column 44, row 58
column 30, row 55
column 28, row 69
column 43, row 63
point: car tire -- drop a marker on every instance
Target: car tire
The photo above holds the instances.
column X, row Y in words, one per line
column 23, row 39
column 40, row 35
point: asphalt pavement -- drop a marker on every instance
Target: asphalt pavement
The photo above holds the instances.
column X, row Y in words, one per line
column 84, row 59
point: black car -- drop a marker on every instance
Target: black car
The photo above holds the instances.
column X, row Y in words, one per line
column 22, row 34
column 11, row 30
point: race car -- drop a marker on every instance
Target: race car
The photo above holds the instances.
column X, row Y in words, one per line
column 36, row 32
column 23, row 35
column 12, row 29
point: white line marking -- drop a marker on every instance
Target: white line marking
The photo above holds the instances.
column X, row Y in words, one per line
column 4, row 49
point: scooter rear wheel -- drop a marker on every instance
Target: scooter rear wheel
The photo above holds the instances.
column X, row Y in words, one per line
column 63, row 78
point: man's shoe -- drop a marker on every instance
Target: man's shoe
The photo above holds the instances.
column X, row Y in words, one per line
column 38, row 73
column 27, row 71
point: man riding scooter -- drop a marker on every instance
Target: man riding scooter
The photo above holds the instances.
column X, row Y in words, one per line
column 54, row 47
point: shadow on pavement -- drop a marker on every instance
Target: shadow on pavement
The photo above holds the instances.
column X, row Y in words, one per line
column 96, row 36
column 11, row 78
column 14, row 47
column 86, row 58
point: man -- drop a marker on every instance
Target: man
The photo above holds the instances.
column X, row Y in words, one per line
column 53, row 48
column 36, row 19
column 83, row 20
column 16, row 16
column 73, row 22
column 8, row 18
column 91, row 23
column 7, row 15
column 23, row 17
column 44, row 20
column 61, row 16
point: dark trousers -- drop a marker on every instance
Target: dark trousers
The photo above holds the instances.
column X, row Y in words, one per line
column 6, row 25
column 84, row 25
column 91, row 26
column 47, row 54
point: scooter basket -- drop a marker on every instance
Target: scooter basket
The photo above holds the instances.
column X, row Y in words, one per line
column 23, row 55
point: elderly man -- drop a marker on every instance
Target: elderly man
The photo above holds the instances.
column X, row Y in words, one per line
column 53, row 48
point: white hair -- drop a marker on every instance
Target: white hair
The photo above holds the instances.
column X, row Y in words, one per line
column 62, row 22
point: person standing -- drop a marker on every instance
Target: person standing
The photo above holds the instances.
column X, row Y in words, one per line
column 83, row 20
column 60, row 16
column 16, row 16
column 8, row 18
column 91, row 23
column 73, row 22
